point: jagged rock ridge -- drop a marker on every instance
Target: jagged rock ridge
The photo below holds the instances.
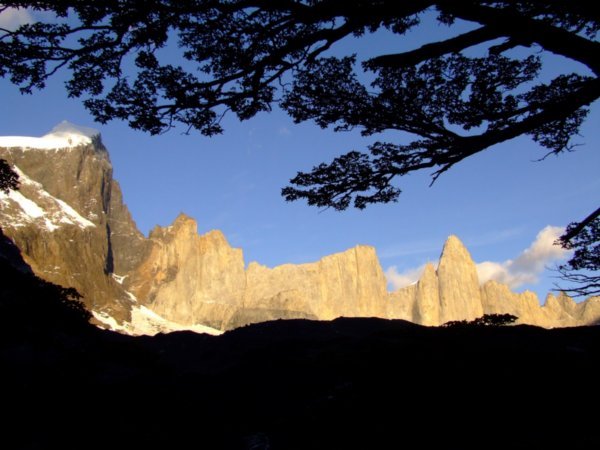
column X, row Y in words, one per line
column 71, row 224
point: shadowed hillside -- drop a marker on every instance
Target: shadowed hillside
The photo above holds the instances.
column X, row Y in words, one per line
column 296, row 384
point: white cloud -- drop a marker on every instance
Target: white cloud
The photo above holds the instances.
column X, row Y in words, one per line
column 284, row 131
column 12, row 18
column 397, row 280
column 526, row 268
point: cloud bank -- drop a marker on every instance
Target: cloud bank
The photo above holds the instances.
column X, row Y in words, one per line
column 527, row 267
column 524, row 269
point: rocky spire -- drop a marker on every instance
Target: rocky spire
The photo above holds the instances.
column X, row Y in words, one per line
column 460, row 296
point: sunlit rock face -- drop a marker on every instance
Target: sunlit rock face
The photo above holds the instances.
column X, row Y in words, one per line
column 460, row 298
column 348, row 284
column 188, row 278
column 194, row 279
column 497, row 298
column 64, row 215
column 427, row 304
column 73, row 229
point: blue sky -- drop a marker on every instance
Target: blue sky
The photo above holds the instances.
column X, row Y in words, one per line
column 496, row 202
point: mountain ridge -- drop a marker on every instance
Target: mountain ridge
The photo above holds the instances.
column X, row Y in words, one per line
column 178, row 278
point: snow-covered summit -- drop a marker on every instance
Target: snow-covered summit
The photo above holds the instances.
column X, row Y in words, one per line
column 63, row 135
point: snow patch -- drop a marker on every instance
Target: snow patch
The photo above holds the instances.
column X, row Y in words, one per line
column 63, row 135
column 109, row 321
column 72, row 214
column 56, row 213
column 119, row 278
column 29, row 207
column 144, row 321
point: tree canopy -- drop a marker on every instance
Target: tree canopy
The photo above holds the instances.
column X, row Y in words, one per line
column 453, row 97
column 243, row 56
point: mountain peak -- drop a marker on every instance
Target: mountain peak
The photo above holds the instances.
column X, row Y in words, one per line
column 428, row 270
column 183, row 224
column 460, row 295
column 63, row 135
column 452, row 244
column 455, row 251
column 183, row 219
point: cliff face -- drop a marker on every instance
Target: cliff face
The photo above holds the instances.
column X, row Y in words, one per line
column 192, row 279
column 73, row 229
column 459, row 294
column 497, row 298
column 348, row 284
column 61, row 220
column 453, row 293
column 188, row 278
column 427, row 298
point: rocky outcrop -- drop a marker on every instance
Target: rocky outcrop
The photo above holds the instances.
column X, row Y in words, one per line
column 564, row 312
column 191, row 279
column 128, row 246
column 348, row 284
column 558, row 311
column 497, row 298
column 590, row 311
column 188, row 278
column 61, row 219
column 73, row 229
column 401, row 304
column 460, row 298
column 427, row 301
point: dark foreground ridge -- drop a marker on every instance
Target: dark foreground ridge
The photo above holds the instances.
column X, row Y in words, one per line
column 296, row 384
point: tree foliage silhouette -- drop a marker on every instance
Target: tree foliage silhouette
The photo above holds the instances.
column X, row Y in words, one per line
column 9, row 180
column 487, row 320
column 583, row 267
column 454, row 97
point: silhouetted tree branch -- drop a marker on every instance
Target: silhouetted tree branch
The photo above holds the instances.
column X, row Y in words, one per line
column 453, row 97
column 581, row 271
column 435, row 50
